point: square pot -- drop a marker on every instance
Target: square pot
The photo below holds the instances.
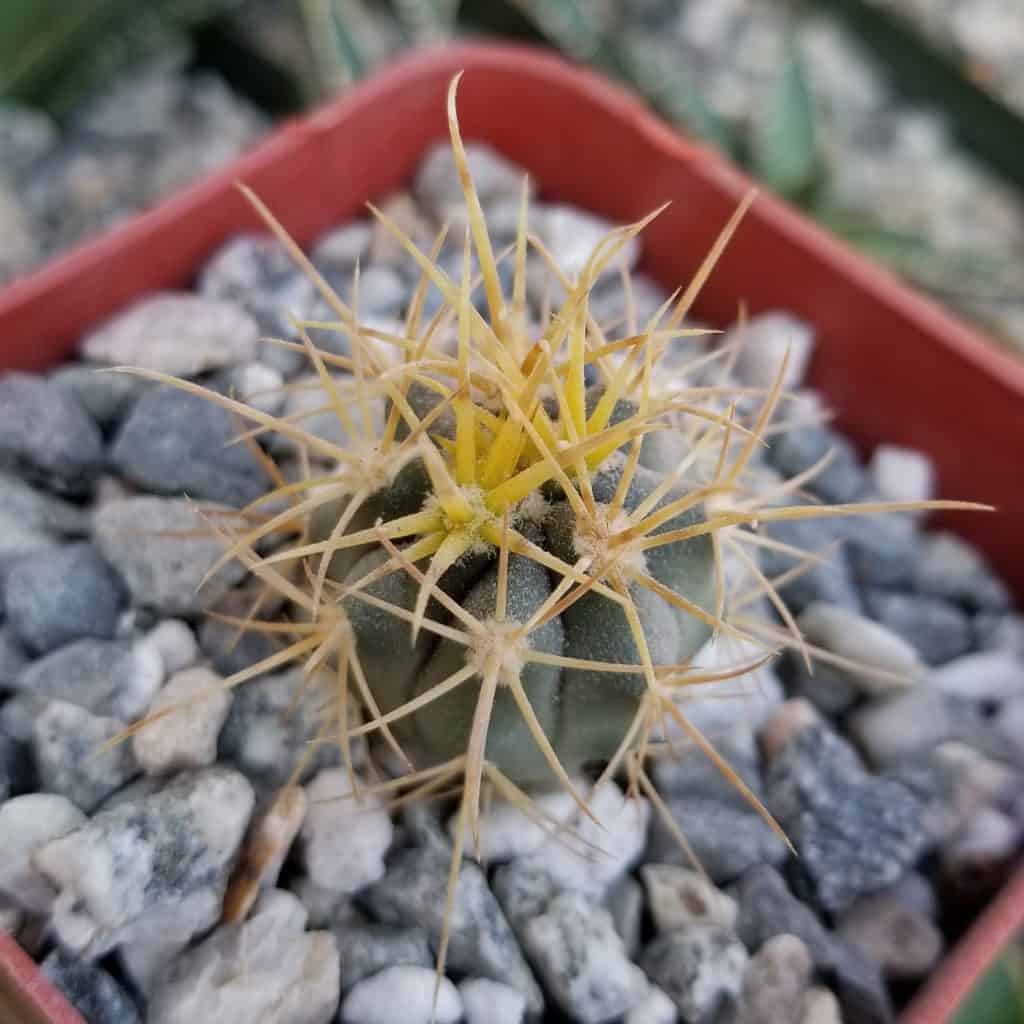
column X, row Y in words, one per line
column 895, row 366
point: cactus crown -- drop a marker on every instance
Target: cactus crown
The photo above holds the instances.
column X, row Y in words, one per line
column 499, row 578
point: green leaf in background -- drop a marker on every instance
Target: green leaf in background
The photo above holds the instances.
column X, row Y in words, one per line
column 51, row 51
column 783, row 144
column 656, row 69
column 427, row 21
column 999, row 997
column 570, row 24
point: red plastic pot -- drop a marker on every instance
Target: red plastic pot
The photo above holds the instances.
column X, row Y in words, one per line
column 895, row 366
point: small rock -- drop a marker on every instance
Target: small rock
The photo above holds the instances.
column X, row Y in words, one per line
column 888, row 661
column 325, row 907
column 764, row 341
column 230, row 652
column 625, row 902
column 506, row 831
column 902, row 474
column 984, row 847
column 267, row 968
column 106, row 397
column 259, row 386
column 590, row 857
column 414, row 891
column 679, row 897
column 39, row 511
column 991, row 676
column 194, row 704
column 489, row 1002
column 117, row 677
column 11, row 918
column 654, row 1008
column 853, row 832
column 903, row 942
column 176, row 644
column 494, row 177
column 403, row 211
column 150, row 542
column 789, row 720
column 90, row 990
column 938, row 629
column 68, row 742
column 402, row 995
column 890, row 730
column 820, row 1006
column 830, row 580
column 572, row 235
column 157, row 937
column 914, row 892
column 369, row 948
column 28, row 823
column 882, row 548
column 829, row 691
column 858, row 982
column 47, row 436
column 344, row 839
column 524, row 889
column 56, row 597
column 582, row 961
column 949, row 567
column 777, row 978
column 176, row 333
column 143, row 854
column 308, row 406
column 13, row 659
column 267, row 730
column 340, row 249
column 998, row 632
column 700, row 968
column 177, row 443
column 768, row 909
column 842, row 480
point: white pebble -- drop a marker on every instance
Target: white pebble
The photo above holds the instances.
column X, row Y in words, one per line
column 506, row 831
column 490, row 1002
column 572, row 235
column 589, row 857
column 902, row 474
column 852, row 636
column 654, row 1008
column 260, row 386
column 764, row 341
column 679, row 896
column 401, row 995
column 176, row 643
column 344, row 840
column 147, row 676
column 186, row 737
column 992, row 675
column 28, row 823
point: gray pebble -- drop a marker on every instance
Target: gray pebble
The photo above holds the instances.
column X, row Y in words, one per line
column 57, row 597
column 368, row 948
column 625, row 902
column 37, row 510
column 46, row 435
column 842, row 480
column 107, row 677
column 679, row 897
column 144, row 854
column 700, row 968
column 489, row 1002
column 67, row 747
column 949, row 567
column 858, row 982
column 177, row 443
column 90, row 990
column 937, row 628
column 524, row 890
column 777, row 977
column 413, row 893
column 231, row 652
column 266, row 731
column 853, row 832
column 106, row 397
column 582, row 960
column 176, row 333
column 13, row 658
column 143, row 539
column 768, row 908
column 995, row 631
column 882, row 548
column 904, row 942
column 828, row 689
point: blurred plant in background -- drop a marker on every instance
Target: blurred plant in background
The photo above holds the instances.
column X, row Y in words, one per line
column 819, row 100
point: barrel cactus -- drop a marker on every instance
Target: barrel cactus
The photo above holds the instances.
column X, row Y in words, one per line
column 506, row 573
